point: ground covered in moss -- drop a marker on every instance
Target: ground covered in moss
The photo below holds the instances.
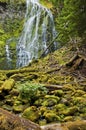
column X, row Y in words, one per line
column 49, row 90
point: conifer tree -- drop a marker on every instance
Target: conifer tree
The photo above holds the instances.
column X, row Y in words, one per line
column 71, row 21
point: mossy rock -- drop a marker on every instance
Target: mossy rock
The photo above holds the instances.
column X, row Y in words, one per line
column 7, row 107
column 17, row 102
column 60, row 107
column 58, row 93
column 14, row 92
column 49, row 102
column 18, row 108
column 9, row 101
column 43, row 109
column 31, row 113
column 3, row 77
column 52, row 96
column 43, row 78
column 68, row 118
column 1, row 82
column 79, row 100
column 42, row 122
column 69, row 87
column 51, row 116
column 70, row 111
column 38, row 102
column 8, row 85
column 79, row 93
column 84, row 96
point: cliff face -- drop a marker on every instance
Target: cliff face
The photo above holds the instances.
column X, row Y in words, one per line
column 11, row 24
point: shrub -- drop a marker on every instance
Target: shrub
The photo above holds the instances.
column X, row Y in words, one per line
column 32, row 91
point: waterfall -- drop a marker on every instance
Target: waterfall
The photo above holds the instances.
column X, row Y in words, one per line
column 8, row 53
column 38, row 31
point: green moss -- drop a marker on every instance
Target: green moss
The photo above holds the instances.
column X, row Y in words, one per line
column 13, row 2
column 42, row 122
column 51, row 116
column 42, row 109
column 79, row 93
column 49, row 102
column 68, row 118
column 53, row 97
column 60, row 107
column 79, row 100
column 38, row 102
column 8, row 85
column 70, row 111
column 31, row 113
column 18, row 108
column 58, row 93
column 10, row 29
column 46, row 4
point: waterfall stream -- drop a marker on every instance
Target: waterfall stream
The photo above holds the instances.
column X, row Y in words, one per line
column 7, row 53
column 38, row 31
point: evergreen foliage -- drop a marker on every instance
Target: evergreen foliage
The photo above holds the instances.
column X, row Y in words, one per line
column 70, row 20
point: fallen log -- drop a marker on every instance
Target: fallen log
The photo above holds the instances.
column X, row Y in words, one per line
column 71, row 61
column 77, row 64
column 9, row 121
column 76, row 125
column 52, row 86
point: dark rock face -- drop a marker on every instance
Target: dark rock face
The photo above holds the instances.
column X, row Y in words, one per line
column 11, row 24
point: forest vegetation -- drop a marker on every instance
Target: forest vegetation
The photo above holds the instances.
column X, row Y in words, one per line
column 51, row 89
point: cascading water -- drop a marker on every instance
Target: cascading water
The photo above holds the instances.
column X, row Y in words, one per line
column 38, row 31
column 8, row 55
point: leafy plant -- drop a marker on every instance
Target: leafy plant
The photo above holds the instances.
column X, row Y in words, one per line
column 32, row 91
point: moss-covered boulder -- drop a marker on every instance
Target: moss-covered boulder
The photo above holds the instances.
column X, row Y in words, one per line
column 49, row 102
column 70, row 111
column 18, row 108
column 8, row 85
column 31, row 113
column 51, row 116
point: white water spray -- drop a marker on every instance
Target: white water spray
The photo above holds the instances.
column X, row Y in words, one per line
column 38, row 31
